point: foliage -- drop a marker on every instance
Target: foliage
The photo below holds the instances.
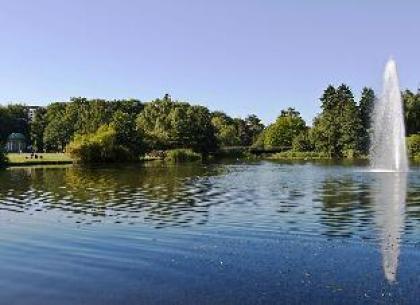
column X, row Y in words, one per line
column 302, row 142
column 182, row 155
column 125, row 126
column 253, row 128
column 3, row 157
column 299, row 155
column 226, row 129
column 37, row 128
column 81, row 116
column 167, row 124
column 237, row 131
column 342, row 128
column 100, row 146
column 412, row 111
column 59, row 127
column 413, row 145
column 13, row 118
column 281, row 133
column 366, row 105
column 336, row 130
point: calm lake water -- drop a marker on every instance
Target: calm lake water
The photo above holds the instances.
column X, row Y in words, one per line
column 228, row 233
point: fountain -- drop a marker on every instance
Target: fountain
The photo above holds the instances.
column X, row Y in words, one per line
column 388, row 153
column 388, row 149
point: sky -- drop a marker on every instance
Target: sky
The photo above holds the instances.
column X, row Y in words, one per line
column 239, row 56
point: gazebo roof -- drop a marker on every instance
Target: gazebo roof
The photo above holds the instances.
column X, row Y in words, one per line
column 16, row 137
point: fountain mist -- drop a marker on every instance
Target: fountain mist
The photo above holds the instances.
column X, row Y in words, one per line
column 388, row 151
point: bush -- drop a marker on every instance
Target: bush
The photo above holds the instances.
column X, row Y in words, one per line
column 100, row 146
column 413, row 145
column 182, row 155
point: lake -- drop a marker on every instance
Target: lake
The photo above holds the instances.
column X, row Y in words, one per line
column 223, row 233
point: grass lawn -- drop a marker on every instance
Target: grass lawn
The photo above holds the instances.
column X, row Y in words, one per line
column 47, row 158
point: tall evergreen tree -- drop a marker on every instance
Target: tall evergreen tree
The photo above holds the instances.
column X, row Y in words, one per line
column 366, row 105
column 37, row 128
column 336, row 129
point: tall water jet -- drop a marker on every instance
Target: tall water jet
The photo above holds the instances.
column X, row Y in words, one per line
column 388, row 149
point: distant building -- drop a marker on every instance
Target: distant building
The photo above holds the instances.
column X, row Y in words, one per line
column 31, row 112
column 16, row 142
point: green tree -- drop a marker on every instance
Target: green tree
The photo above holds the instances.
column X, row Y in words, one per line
column 413, row 145
column 125, row 127
column 13, row 118
column 153, row 123
column 83, row 116
column 336, row 130
column 100, row 146
column 366, row 105
column 302, row 142
column 254, row 128
column 60, row 127
column 167, row 124
column 202, row 135
column 287, row 126
column 37, row 128
column 226, row 129
column 412, row 111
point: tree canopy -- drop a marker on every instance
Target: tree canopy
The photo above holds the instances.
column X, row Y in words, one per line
column 282, row 132
column 336, row 129
column 167, row 124
column 341, row 129
column 13, row 119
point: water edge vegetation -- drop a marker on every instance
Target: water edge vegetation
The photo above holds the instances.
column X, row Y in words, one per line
column 129, row 130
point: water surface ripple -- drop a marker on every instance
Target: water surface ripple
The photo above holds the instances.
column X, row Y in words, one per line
column 264, row 230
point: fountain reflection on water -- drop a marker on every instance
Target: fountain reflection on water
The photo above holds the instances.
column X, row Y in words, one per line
column 389, row 199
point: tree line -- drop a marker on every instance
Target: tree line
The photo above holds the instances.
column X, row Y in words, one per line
column 101, row 130
column 342, row 128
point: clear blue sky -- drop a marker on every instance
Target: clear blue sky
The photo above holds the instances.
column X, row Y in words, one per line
column 239, row 56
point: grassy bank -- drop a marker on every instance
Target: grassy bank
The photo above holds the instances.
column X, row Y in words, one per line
column 299, row 155
column 15, row 159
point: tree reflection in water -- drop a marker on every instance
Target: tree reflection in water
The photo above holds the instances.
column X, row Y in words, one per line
column 346, row 206
column 160, row 194
column 336, row 202
column 370, row 201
